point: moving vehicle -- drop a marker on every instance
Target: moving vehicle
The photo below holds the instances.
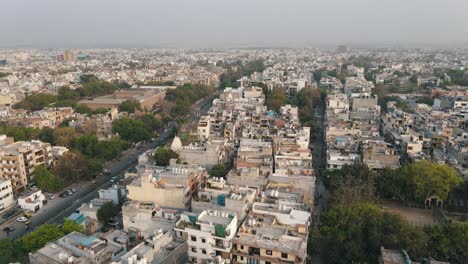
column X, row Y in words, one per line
column 9, row 229
column 28, row 214
column 21, row 219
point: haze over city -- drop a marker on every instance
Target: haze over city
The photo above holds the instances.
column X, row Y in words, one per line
column 243, row 23
column 234, row 132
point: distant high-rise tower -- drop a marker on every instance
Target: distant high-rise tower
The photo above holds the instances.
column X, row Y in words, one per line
column 342, row 48
column 69, row 56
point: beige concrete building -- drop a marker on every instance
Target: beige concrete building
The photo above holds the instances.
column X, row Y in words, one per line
column 148, row 218
column 19, row 159
column 147, row 98
column 172, row 186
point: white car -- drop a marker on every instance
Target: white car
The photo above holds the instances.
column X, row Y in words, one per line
column 22, row 219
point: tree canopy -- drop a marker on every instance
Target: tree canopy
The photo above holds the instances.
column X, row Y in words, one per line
column 218, row 170
column 129, row 106
column 162, row 156
column 132, row 130
column 106, row 212
column 46, row 181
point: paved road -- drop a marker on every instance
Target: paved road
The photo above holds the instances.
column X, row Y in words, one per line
column 319, row 163
column 59, row 208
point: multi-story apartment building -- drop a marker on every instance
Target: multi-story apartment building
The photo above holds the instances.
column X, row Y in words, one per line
column 208, row 234
column 7, row 199
column 19, row 159
column 172, row 186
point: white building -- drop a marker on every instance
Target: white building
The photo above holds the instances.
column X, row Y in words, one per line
column 32, row 201
column 7, row 199
column 208, row 234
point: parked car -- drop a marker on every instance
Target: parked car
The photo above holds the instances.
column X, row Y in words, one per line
column 113, row 179
column 33, row 188
column 21, row 219
column 50, row 196
column 73, row 190
column 69, row 192
column 9, row 229
column 64, row 194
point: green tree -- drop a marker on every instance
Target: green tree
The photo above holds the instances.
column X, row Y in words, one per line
column 40, row 237
column 275, row 99
column 110, row 149
column 430, row 179
column 72, row 167
column 86, row 144
column 83, row 109
column 131, row 130
column 46, row 180
column 129, row 106
column 425, row 100
column 106, row 212
column 448, row 242
column 162, row 156
column 64, row 136
column 218, row 170
column 71, row 226
column 152, row 121
column 11, row 251
column 66, row 93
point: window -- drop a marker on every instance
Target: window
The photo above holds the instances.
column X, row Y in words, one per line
column 242, row 247
column 267, row 262
column 268, row 252
column 284, row 255
column 203, row 251
column 193, row 238
column 203, row 240
column 194, row 250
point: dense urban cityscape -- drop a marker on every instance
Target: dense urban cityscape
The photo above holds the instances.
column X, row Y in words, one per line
column 337, row 155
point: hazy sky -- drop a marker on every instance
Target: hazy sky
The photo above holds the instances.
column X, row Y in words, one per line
column 218, row 23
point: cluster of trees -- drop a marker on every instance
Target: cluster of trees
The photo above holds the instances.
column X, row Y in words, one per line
column 237, row 70
column 16, row 250
column 305, row 100
column 91, row 86
column 458, row 77
column 129, row 106
column 353, row 228
column 4, row 74
column 410, row 183
column 162, row 156
column 417, row 181
column 132, row 130
column 219, row 170
column 185, row 96
column 426, row 100
column 86, row 156
column 275, row 98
